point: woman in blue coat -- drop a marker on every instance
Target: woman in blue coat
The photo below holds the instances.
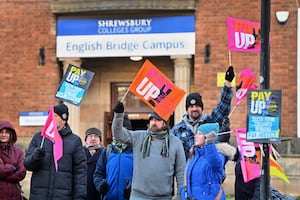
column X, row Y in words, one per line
column 204, row 169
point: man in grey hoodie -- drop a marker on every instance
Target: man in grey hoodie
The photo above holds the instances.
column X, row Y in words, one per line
column 158, row 157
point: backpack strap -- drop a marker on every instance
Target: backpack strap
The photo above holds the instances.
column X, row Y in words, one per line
column 108, row 151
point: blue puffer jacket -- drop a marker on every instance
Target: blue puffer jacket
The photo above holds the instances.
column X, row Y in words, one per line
column 116, row 167
column 204, row 174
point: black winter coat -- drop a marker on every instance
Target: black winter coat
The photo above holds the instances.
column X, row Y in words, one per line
column 92, row 193
column 69, row 181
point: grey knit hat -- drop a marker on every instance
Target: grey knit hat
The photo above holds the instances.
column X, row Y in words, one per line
column 93, row 131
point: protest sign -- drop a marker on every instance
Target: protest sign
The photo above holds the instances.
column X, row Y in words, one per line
column 74, row 84
column 156, row 90
column 263, row 116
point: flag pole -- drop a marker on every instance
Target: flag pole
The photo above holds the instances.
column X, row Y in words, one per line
column 234, row 107
column 229, row 57
column 42, row 143
column 223, row 133
column 122, row 99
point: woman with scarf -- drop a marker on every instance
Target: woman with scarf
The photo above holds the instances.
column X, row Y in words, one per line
column 158, row 157
column 204, row 169
column 12, row 170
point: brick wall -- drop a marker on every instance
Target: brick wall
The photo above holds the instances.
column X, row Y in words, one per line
column 26, row 26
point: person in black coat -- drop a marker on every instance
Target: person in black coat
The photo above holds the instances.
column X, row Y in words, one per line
column 68, row 182
column 93, row 149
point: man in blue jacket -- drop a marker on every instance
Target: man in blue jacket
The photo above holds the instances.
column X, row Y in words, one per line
column 114, row 169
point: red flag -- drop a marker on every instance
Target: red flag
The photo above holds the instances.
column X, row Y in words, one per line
column 156, row 90
column 50, row 132
column 245, row 81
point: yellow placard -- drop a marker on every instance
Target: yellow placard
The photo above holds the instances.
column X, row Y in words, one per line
column 221, row 79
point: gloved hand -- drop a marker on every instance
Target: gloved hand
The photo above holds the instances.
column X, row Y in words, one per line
column 225, row 127
column 38, row 153
column 15, row 167
column 127, row 189
column 103, row 187
column 119, row 108
column 229, row 74
column 209, row 138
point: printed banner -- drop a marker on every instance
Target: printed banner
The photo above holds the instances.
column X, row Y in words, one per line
column 156, row 90
column 243, row 35
column 264, row 116
column 250, row 156
column 74, row 85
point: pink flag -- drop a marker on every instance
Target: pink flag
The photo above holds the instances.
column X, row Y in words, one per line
column 250, row 154
column 50, row 126
column 57, row 148
column 50, row 132
column 245, row 81
column 243, row 35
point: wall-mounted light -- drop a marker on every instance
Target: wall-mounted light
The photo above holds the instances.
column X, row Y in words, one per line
column 136, row 58
column 42, row 56
column 207, row 53
column 282, row 16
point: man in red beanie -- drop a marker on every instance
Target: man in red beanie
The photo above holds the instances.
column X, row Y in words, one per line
column 69, row 181
column 186, row 129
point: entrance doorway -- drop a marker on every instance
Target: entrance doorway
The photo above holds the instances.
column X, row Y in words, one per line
column 137, row 110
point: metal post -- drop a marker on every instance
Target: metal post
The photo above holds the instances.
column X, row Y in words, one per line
column 265, row 84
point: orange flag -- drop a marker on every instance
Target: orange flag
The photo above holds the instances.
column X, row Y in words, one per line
column 276, row 170
column 156, row 90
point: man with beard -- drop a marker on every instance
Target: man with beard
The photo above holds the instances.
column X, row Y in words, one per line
column 186, row 129
column 158, row 157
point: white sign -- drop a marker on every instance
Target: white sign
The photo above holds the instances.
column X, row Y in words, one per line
column 32, row 118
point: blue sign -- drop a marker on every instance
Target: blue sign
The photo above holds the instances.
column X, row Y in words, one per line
column 140, row 25
column 119, row 37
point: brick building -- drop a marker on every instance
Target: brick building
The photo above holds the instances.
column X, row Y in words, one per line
column 29, row 32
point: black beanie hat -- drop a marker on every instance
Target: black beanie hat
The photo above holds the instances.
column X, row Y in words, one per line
column 193, row 99
column 62, row 110
column 93, row 131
